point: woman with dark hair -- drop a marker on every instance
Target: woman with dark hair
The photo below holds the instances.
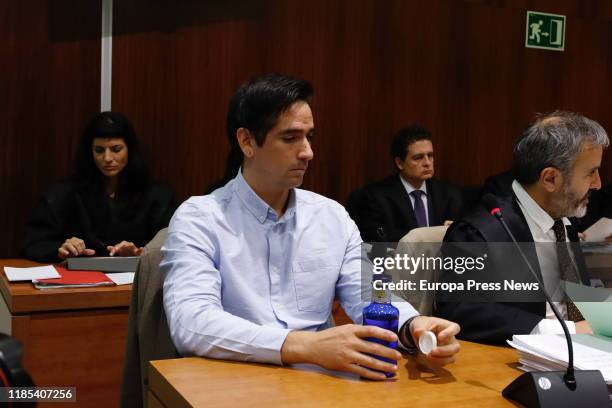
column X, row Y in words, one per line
column 109, row 207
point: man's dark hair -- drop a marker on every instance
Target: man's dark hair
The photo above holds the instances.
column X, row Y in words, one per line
column 134, row 177
column 405, row 137
column 256, row 106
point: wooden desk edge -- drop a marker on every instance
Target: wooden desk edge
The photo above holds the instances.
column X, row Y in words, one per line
column 24, row 298
column 163, row 391
column 467, row 376
column 6, row 291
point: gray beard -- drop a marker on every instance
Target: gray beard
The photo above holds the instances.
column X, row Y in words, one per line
column 579, row 212
column 568, row 208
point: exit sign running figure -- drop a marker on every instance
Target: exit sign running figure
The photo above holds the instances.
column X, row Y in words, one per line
column 545, row 30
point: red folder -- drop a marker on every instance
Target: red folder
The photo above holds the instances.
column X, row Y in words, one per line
column 74, row 279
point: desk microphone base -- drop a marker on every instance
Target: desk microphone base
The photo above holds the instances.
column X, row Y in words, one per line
column 547, row 389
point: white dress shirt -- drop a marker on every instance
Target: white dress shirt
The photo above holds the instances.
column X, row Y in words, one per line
column 540, row 224
column 410, row 189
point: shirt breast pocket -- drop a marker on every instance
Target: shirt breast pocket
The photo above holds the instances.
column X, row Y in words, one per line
column 315, row 284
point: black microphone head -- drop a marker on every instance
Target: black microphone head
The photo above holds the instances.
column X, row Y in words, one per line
column 492, row 204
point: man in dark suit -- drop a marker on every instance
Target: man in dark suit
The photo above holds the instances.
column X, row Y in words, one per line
column 556, row 164
column 410, row 198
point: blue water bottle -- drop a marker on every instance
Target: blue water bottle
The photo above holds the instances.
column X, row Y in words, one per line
column 382, row 313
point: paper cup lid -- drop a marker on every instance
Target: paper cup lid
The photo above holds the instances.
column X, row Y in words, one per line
column 427, row 342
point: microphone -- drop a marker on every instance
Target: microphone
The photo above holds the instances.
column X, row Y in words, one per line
column 379, row 248
column 585, row 388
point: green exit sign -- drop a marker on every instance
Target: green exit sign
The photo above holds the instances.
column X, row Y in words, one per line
column 545, row 30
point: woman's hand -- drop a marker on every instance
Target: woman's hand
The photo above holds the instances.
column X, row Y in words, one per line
column 124, row 248
column 74, row 247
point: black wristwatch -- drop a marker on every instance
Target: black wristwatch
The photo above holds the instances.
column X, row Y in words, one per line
column 405, row 337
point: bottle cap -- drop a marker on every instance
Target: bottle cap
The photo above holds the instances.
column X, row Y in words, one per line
column 427, row 342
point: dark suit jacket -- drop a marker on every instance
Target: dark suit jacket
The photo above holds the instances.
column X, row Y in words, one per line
column 387, row 204
column 496, row 322
column 499, row 184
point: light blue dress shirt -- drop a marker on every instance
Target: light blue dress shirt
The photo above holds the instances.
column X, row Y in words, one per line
column 238, row 279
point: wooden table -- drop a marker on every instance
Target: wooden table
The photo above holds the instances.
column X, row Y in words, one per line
column 475, row 380
column 71, row 337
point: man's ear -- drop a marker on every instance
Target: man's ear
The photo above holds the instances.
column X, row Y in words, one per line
column 245, row 141
column 399, row 163
column 551, row 179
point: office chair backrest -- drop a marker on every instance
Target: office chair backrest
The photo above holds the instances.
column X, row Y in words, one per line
column 425, row 234
column 12, row 373
column 418, row 242
column 148, row 333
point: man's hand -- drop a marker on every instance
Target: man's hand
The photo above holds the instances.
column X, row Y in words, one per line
column 74, row 247
column 445, row 332
column 583, row 327
column 124, row 248
column 447, row 223
column 342, row 348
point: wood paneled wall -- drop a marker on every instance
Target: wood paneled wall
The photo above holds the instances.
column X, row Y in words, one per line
column 459, row 67
column 49, row 86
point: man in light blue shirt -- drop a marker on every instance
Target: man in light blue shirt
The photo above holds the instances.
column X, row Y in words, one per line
column 253, row 268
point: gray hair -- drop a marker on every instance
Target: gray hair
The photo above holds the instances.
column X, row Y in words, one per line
column 554, row 140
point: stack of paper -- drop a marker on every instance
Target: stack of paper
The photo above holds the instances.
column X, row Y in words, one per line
column 548, row 352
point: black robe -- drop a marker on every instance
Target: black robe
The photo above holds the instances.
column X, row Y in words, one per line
column 68, row 210
column 495, row 322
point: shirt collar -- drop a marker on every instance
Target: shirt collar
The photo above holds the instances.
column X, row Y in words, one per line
column 533, row 210
column 409, row 188
column 258, row 207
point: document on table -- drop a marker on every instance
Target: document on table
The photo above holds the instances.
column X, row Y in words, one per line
column 595, row 304
column 122, row 278
column 549, row 352
column 599, row 231
column 27, row 274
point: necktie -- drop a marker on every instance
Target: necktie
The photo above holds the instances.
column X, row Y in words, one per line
column 419, row 208
column 568, row 271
